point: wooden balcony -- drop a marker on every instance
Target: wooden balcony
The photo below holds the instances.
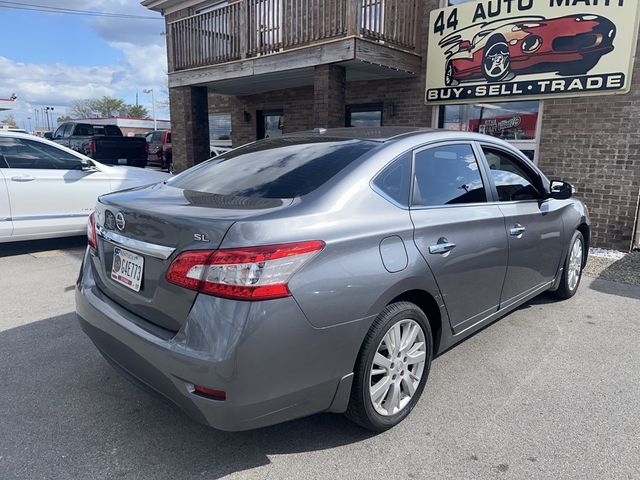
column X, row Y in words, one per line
column 250, row 29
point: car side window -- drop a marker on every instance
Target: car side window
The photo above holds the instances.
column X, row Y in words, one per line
column 512, row 180
column 68, row 130
column 58, row 133
column 393, row 181
column 23, row 153
column 447, row 175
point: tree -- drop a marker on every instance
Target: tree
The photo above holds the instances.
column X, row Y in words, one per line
column 82, row 109
column 109, row 107
column 137, row 111
column 98, row 107
column 63, row 118
column 9, row 120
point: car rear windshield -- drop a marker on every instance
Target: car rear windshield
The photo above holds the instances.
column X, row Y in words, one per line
column 107, row 130
column 274, row 168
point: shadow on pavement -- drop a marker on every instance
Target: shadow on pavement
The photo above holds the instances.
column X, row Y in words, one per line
column 37, row 246
column 543, row 299
column 65, row 413
column 616, row 288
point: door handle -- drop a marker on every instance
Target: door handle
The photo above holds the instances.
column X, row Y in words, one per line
column 443, row 247
column 23, row 178
column 517, row 230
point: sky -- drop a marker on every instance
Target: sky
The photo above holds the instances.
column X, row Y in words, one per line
column 53, row 59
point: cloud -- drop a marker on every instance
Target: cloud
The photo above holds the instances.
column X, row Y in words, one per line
column 143, row 63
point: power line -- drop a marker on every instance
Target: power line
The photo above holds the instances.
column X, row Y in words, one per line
column 70, row 11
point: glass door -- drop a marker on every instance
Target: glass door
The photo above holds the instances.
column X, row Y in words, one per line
column 270, row 123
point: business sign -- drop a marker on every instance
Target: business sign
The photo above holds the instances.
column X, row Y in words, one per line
column 495, row 50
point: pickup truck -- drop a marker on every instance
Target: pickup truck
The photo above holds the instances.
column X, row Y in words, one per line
column 104, row 143
column 160, row 149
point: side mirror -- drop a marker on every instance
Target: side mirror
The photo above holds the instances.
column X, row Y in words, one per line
column 88, row 166
column 560, row 190
column 48, row 135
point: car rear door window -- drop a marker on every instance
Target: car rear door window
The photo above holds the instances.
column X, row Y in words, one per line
column 513, row 181
column 23, row 153
column 274, row 168
column 447, row 175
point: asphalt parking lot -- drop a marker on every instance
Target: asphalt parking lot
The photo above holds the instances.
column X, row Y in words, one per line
column 548, row 392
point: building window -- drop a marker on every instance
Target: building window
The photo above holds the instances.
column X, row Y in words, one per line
column 515, row 122
column 220, row 126
column 366, row 115
column 270, row 123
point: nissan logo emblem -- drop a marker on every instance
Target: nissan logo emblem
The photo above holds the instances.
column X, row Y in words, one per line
column 120, row 223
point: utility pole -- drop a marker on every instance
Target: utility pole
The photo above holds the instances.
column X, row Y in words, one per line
column 153, row 107
column 49, row 119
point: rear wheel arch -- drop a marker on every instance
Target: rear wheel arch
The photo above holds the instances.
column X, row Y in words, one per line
column 584, row 229
column 423, row 299
column 427, row 303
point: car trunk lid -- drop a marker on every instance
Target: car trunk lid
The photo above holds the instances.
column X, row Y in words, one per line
column 158, row 222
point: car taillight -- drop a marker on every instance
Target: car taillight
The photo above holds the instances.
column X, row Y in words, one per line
column 92, row 147
column 254, row 273
column 92, row 238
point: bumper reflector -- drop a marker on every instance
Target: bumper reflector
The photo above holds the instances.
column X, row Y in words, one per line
column 209, row 392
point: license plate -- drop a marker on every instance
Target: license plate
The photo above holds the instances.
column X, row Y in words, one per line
column 122, row 161
column 127, row 268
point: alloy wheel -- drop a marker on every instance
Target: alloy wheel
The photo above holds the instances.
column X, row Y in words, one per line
column 397, row 367
column 575, row 264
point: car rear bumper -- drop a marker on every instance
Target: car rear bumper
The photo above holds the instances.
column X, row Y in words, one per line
column 271, row 363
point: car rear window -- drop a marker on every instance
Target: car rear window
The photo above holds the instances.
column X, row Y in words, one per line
column 107, row 130
column 274, row 168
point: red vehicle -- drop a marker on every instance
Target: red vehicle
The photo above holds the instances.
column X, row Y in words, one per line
column 160, row 153
column 570, row 45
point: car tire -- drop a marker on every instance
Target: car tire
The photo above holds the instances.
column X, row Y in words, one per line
column 449, row 76
column 492, row 71
column 380, row 409
column 573, row 265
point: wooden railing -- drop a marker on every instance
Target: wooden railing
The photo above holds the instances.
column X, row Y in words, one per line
column 249, row 28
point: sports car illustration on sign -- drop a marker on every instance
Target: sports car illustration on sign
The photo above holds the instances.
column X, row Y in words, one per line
column 570, row 45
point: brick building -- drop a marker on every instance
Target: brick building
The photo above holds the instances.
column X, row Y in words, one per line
column 247, row 69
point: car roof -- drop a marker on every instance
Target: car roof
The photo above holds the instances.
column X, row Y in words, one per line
column 16, row 133
column 376, row 134
column 394, row 134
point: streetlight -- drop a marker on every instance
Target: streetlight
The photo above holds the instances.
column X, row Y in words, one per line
column 30, row 130
column 49, row 121
column 153, row 107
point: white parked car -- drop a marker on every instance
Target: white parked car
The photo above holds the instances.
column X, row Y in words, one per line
column 47, row 190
